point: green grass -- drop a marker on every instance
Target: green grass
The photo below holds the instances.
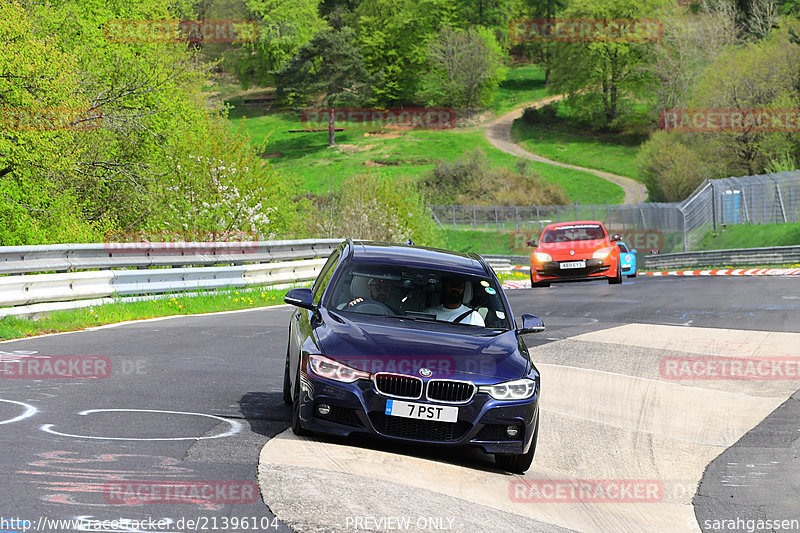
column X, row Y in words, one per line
column 392, row 154
column 523, row 83
column 752, row 236
column 566, row 141
column 76, row 319
column 489, row 242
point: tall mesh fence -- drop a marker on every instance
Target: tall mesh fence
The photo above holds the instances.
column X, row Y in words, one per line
column 762, row 199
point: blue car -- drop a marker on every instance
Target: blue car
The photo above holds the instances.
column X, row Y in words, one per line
column 627, row 259
column 413, row 344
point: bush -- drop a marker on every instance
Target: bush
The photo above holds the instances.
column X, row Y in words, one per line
column 671, row 169
column 471, row 181
column 540, row 115
column 369, row 207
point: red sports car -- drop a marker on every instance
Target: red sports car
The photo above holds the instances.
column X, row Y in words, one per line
column 575, row 251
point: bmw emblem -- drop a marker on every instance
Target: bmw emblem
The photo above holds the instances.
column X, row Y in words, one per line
column 572, row 252
column 425, row 373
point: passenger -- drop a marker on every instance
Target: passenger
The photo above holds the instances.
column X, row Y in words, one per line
column 451, row 307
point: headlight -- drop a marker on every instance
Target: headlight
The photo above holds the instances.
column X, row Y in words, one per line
column 602, row 253
column 330, row 369
column 520, row 389
column 542, row 257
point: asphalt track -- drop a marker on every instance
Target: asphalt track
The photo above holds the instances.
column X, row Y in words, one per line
column 611, row 417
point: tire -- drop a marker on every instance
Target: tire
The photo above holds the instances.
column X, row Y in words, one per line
column 539, row 284
column 518, row 463
column 287, row 382
column 618, row 279
column 297, row 427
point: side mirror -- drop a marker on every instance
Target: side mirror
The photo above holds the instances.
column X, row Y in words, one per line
column 634, row 251
column 616, row 237
column 531, row 243
column 531, row 324
column 303, row 298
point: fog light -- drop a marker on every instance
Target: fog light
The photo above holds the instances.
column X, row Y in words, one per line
column 323, row 409
column 512, row 431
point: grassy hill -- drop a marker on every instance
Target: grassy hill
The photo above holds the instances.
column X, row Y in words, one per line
column 408, row 153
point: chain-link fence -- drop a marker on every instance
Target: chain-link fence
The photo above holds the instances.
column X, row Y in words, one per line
column 764, row 199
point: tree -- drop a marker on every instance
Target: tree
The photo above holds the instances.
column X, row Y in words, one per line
column 760, row 75
column 329, row 67
column 466, row 66
column 546, row 10
column 283, row 27
column 603, row 77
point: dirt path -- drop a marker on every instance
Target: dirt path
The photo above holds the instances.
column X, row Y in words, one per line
column 498, row 133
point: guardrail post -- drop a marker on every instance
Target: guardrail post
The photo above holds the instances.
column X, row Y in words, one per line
column 454, row 217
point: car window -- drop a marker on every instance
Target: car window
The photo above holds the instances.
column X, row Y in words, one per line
column 325, row 276
column 622, row 247
column 576, row 232
column 420, row 294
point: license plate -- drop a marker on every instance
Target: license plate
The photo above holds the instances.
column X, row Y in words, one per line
column 421, row 411
column 574, row 264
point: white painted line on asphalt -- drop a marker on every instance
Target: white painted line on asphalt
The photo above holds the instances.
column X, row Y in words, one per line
column 27, row 413
column 235, row 427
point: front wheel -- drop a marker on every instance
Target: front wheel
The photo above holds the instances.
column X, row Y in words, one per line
column 618, row 279
column 519, row 463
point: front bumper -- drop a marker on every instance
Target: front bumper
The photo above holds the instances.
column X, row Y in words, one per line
column 357, row 408
column 551, row 271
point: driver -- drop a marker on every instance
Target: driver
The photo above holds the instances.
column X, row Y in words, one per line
column 379, row 290
column 451, row 307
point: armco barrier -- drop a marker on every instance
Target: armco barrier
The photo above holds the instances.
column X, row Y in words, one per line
column 778, row 255
column 126, row 270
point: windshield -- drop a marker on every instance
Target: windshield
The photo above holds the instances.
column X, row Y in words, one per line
column 577, row 232
column 418, row 294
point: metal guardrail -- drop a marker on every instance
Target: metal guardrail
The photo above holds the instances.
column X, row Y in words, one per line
column 254, row 263
column 68, row 257
column 777, row 255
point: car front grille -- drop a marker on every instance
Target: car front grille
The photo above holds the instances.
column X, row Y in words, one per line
column 398, row 386
column 450, row 391
column 409, row 428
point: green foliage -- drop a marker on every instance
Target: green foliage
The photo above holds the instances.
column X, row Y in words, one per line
column 465, row 68
column 671, row 168
column 471, row 181
column 283, row 27
column 371, row 208
column 604, row 78
column 76, row 183
column 759, row 75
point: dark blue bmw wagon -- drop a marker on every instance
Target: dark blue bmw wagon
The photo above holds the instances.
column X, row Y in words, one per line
column 413, row 344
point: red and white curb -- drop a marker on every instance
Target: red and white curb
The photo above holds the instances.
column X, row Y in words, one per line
column 517, row 284
column 729, row 272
